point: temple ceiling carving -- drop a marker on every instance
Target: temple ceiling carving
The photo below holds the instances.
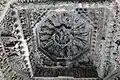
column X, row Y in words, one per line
column 54, row 39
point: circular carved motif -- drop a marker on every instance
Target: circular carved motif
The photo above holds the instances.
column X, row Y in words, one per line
column 63, row 35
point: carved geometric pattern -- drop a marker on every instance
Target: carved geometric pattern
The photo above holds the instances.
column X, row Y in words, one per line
column 63, row 35
column 62, row 40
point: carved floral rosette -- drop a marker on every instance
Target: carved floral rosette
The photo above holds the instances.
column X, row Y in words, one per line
column 66, row 38
column 61, row 40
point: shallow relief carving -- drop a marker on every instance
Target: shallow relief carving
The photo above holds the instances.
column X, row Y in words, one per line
column 62, row 41
column 61, row 37
column 66, row 38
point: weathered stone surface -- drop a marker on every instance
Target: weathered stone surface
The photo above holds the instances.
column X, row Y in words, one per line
column 76, row 40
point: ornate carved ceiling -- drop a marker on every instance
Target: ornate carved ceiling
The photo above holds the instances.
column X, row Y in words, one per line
column 73, row 40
